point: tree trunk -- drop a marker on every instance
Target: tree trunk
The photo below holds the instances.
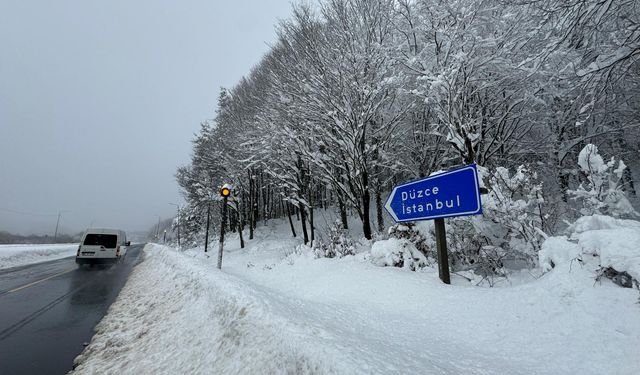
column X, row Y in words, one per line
column 343, row 212
column 311, row 228
column 627, row 182
column 250, row 205
column 256, row 203
column 293, row 230
column 378, row 187
column 273, row 206
column 327, row 198
column 301, row 181
column 265, row 199
column 470, row 155
column 240, row 224
column 206, row 236
column 561, row 176
column 366, row 222
column 233, row 221
column 379, row 210
column 303, row 217
column 366, row 202
column 366, row 195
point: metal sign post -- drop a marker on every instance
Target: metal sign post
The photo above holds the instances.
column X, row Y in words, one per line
column 448, row 194
column 224, row 192
column 443, row 255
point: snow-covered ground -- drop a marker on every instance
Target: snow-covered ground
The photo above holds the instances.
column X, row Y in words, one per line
column 274, row 308
column 20, row 255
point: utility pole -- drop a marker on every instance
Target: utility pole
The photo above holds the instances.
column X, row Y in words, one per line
column 55, row 236
column 178, row 207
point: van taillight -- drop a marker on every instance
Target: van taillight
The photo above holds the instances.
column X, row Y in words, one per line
column 118, row 251
column 78, row 253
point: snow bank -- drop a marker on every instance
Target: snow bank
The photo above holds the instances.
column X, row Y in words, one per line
column 557, row 250
column 176, row 316
column 275, row 308
column 599, row 222
column 384, row 320
column 20, row 255
column 617, row 248
column 608, row 241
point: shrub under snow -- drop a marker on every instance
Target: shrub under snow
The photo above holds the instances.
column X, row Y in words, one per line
column 338, row 243
column 410, row 246
column 397, row 252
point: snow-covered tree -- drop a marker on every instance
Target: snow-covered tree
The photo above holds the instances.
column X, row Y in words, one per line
column 601, row 192
column 356, row 96
column 510, row 229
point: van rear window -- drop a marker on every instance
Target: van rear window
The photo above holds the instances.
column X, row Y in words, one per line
column 107, row 240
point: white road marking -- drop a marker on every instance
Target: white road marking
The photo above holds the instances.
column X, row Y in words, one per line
column 39, row 281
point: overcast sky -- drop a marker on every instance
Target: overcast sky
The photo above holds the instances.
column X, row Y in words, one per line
column 99, row 101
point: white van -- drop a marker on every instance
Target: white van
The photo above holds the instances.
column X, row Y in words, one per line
column 101, row 246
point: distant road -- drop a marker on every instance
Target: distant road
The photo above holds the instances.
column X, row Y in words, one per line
column 49, row 310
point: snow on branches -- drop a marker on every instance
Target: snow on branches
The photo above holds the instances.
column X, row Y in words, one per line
column 602, row 191
column 356, row 96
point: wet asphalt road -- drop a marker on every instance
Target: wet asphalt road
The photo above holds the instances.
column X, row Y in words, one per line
column 49, row 310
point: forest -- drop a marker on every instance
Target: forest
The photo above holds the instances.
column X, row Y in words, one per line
column 357, row 96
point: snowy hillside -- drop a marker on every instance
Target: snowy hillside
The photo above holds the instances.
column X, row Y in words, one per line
column 275, row 308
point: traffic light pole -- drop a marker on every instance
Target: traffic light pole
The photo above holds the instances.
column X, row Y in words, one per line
column 224, row 192
column 224, row 219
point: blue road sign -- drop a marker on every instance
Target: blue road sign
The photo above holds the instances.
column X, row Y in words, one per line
column 452, row 193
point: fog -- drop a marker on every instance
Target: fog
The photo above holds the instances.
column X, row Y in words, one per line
column 99, row 101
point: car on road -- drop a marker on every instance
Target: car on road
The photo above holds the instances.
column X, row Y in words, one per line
column 102, row 246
